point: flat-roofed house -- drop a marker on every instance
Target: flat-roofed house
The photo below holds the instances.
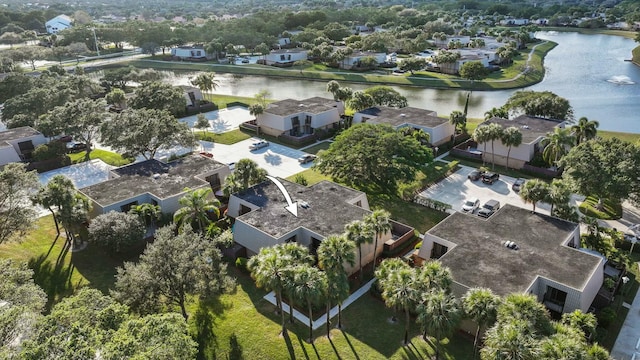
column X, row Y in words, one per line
column 517, row 251
column 439, row 129
column 533, row 130
column 299, row 118
column 17, row 144
column 58, row 23
column 155, row 182
column 285, row 57
column 324, row 209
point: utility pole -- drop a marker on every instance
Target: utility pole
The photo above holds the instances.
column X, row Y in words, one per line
column 95, row 39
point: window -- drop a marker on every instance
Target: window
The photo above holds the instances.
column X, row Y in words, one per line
column 291, row 239
column 307, row 125
column 555, row 296
column 315, row 244
column 438, row 250
column 282, row 57
column 214, row 181
column 295, row 126
column 126, row 207
column 244, row 209
column 359, row 203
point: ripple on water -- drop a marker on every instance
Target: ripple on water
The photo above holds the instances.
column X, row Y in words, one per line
column 621, row 80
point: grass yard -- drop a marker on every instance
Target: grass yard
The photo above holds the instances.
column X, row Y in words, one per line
column 223, row 100
column 317, row 147
column 226, row 138
column 312, row 176
column 108, row 157
column 610, row 211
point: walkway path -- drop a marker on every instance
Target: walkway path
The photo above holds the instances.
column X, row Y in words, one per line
column 627, row 346
column 270, row 297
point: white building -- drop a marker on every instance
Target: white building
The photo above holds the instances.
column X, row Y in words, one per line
column 189, row 52
column 285, row 57
column 58, row 23
column 17, row 144
column 354, row 59
column 299, row 118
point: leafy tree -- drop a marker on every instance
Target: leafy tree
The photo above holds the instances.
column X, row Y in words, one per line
column 473, row 70
column 77, row 49
column 196, row 205
column 545, row 104
column 159, row 96
column 116, row 231
column 585, row 130
column 386, row 96
column 81, row 119
column 159, row 336
column 510, row 137
column 604, row 168
column 117, row 77
column 31, row 54
column 172, row 268
column 446, row 59
column 558, row 194
column 205, row 82
column 37, row 101
column 481, row 306
column 333, row 253
column 57, row 196
column 380, row 222
column 534, row 190
column 147, row 132
column 201, row 122
column 458, row 119
column 439, row 314
column 144, row 75
column 360, row 101
column 360, row 233
column 413, row 64
column 311, row 288
column 16, row 186
column 400, row 290
column 556, row 144
column 116, row 97
column 15, row 84
column 377, row 155
column 76, row 327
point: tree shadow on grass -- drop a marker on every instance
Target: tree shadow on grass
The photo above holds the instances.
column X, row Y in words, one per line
column 235, row 352
column 346, row 337
column 203, row 323
column 53, row 277
column 336, row 350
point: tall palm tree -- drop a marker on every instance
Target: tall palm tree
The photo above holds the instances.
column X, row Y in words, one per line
column 58, row 194
column 439, row 315
column 205, row 81
column 248, row 173
column 380, row 223
column 525, row 307
column 148, row 212
column 585, row 130
column 458, row 119
column 499, row 112
column 512, row 340
column 494, row 132
column 293, row 254
column 481, row 136
column 196, row 205
column 511, row 136
column 558, row 194
column 556, row 144
column 311, row 288
column 434, row 276
column 400, row 290
column 360, row 233
column 481, row 306
column 268, row 270
column 333, row 253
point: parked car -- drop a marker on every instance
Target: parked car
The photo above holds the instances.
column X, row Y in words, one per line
column 73, row 146
column 490, row 178
column 258, row 145
column 471, row 205
column 245, row 61
column 489, row 208
column 475, row 175
column 517, row 185
column 306, row 158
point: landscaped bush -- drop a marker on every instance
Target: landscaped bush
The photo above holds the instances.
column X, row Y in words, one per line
column 606, row 316
column 241, row 263
column 610, row 211
column 52, row 150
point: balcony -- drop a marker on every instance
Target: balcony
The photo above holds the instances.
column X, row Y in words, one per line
column 400, row 234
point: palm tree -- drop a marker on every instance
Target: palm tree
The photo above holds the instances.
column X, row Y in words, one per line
column 525, row 307
column 268, row 270
column 205, row 82
column 333, row 253
column 534, row 190
column 248, row 173
column 311, row 288
column 494, row 132
column 481, row 136
column 510, row 341
column 558, row 194
column 480, row 305
column 256, row 110
column 556, row 144
column 400, row 290
column 293, row 254
column 499, row 112
column 439, row 314
column 434, row 276
column 458, row 119
column 58, row 194
column 379, row 221
column 585, row 322
column 511, row 136
column 196, row 205
column 333, row 87
column 360, row 233
column 585, row 130
column 148, row 212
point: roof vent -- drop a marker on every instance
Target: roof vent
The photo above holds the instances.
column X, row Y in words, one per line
column 403, row 115
column 304, row 205
column 511, row 245
column 156, row 176
column 525, row 126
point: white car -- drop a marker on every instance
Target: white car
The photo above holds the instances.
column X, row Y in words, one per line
column 258, row 145
column 470, row 205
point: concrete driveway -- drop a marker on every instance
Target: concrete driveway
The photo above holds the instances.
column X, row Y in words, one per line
column 456, row 188
column 278, row 160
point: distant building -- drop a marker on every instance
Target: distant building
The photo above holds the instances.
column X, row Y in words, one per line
column 285, row 57
column 58, row 23
column 17, row 144
column 353, row 60
column 189, row 53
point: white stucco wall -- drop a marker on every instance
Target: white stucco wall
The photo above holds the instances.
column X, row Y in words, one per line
column 518, row 155
column 8, row 155
column 233, row 210
column 592, row 287
column 275, row 58
column 37, row 139
column 427, row 245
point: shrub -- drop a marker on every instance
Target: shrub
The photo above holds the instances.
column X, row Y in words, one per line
column 606, row 316
column 116, row 231
column 300, row 179
column 52, row 150
column 241, row 263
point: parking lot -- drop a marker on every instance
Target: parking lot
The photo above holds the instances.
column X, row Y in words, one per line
column 456, row 188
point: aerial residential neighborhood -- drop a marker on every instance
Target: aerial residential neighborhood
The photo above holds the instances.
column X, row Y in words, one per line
column 319, row 180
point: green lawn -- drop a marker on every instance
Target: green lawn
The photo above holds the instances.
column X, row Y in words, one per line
column 312, row 176
column 222, row 100
column 227, row 138
column 610, row 211
column 317, row 147
column 108, row 157
column 629, row 137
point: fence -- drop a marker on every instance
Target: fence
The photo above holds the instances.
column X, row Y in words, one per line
column 431, row 204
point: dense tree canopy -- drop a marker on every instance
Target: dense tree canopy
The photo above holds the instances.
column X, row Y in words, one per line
column 116, row 231
column 544, row 104
column 378, row 155
column 159, row 96
column 16, row 212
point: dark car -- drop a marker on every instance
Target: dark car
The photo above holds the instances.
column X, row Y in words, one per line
column 517, row 185
column 475, row 175
column 490, row 178
column 489, row 208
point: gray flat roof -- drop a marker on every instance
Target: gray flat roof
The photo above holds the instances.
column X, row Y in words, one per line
column 314, row 105
column 406, row 115
column 17, row 133
column 287, row 51
column 328, row 211
column 481, row 260
column 138, row 178
column 531, row 127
